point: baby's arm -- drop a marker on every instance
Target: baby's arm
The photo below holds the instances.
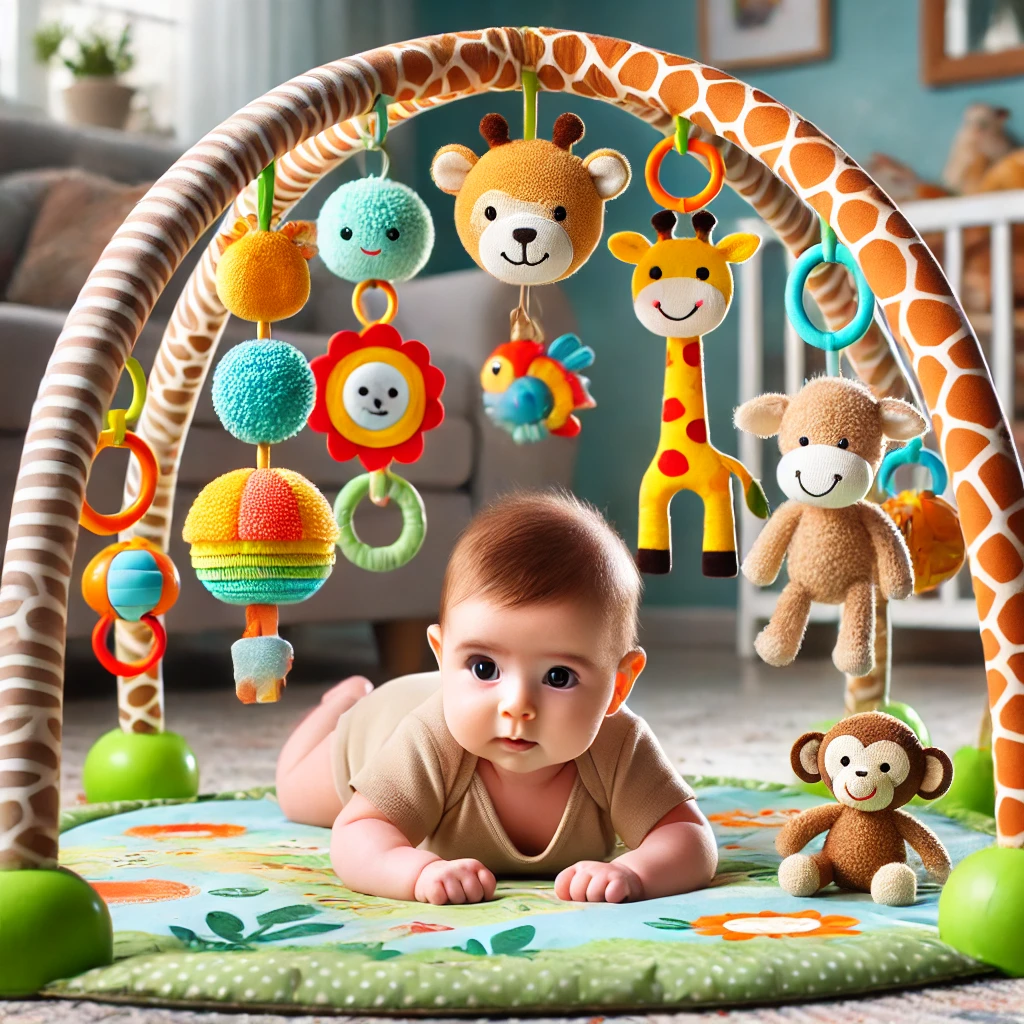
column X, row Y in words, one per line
column 678, row 855
column 372, row 856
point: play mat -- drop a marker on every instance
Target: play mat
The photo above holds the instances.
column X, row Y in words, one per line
column 223, row 902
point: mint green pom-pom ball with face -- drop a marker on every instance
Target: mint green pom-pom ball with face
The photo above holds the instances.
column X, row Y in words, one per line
column 375, row 228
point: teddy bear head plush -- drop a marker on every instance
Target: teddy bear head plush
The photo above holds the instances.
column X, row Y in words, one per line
column 832, row 437
column 872, row 762
column 529, row 211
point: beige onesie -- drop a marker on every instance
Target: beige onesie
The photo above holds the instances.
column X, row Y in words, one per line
column 395, row 749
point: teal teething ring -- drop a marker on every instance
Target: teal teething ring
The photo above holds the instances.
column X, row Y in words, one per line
column 913, row 454
column 830, row 341
column 414, row 521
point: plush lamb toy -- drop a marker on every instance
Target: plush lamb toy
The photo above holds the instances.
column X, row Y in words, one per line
column 832, row 437
column 873, row 764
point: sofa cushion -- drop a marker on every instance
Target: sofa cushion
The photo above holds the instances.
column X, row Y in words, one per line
column 21, row 195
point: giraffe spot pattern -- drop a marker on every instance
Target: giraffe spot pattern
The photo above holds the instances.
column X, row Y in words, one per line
column 971, row 398
column 765, row 125
column 673, row 409
column 639, row 71
column 679, row 91
column 691, row 354
column 930, row 321
column 989, row 644
column 551, row 78
column 853, row 180
column 1016, row 665
column 1004, row 484
column 1008, row 764
column 672, row 462
column 569, row 53
column 964, row 355
column 1012, row 716
column 726, row 100
column 697, row 431
column 857, row 219
column 996, row 684
column 962, row 447
column 931, row 373
column 812, row 163
column 1011, row 619
column 999, row 558
column 1010, row 816
column 974, row 513
column 884, row 267
column 985, row 597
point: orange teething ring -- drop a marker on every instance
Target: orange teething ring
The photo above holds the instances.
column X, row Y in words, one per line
column 104, row 525
column 357, row 301
column 128, row 669
column 687, row 204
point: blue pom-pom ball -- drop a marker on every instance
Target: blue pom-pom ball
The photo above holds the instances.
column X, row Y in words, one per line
column 263, row 391
column 375, row 228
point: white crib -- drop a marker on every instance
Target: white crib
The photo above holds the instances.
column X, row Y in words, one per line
column 953, row 606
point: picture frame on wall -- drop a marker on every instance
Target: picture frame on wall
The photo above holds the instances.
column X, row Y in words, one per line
column 971, row 40
column 763, row 33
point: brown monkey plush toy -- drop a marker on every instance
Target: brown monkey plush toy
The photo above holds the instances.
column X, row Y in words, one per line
column 873, row 764
column 529, row 211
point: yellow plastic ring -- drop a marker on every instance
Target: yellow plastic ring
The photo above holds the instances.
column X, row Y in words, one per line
column 684, row 204
column 357, row 302
column 105, row 525
column 134, row 411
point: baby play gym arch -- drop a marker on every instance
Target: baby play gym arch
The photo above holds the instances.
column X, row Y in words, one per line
column 784, row 166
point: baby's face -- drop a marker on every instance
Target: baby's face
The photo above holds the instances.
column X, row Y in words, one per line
column 527, row 687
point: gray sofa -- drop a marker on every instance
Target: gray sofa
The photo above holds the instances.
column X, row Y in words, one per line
column 460, row 316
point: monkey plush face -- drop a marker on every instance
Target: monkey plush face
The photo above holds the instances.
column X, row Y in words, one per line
column 832, row 437
column 529, row 212
column 871, row 762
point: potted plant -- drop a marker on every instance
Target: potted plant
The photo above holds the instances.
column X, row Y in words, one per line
column 96, row 60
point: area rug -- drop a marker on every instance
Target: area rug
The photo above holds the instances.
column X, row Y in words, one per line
column 224, row 903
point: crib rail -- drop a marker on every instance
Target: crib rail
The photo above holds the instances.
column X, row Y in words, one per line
column 945, row 222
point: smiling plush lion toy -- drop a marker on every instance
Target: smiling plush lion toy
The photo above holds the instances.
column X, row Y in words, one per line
column 529, row 211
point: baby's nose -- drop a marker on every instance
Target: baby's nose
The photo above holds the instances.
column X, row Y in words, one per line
column 524, row 235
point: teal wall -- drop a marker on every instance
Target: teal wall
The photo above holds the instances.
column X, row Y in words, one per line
column 867, row 96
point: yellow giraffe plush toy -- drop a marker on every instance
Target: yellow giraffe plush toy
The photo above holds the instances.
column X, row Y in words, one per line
column 682, row 288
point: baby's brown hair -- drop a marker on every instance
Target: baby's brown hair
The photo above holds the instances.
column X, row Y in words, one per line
column 544, row 546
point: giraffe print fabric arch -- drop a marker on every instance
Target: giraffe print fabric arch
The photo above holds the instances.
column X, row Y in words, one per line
column 117, row 298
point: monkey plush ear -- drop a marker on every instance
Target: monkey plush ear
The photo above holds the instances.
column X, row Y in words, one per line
column 628, row 246
column 804, row 756
column 938, row 774
column 900, row 420
column 450, row 167
column 738, row 248
column 762, row 416
column 609, row 170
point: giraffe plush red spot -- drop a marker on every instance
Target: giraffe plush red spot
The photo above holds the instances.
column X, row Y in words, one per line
column 697, row 430
column 672, row 463
column 673, row 409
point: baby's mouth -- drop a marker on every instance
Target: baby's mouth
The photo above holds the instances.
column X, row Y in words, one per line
column 520, row 745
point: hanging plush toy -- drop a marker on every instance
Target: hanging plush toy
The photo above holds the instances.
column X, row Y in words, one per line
column 682, row 288
column 263, row 537
column 376, row 393
column 831, row 435
column 530, row 212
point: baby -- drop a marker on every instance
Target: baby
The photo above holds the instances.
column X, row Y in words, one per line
column 519, row 757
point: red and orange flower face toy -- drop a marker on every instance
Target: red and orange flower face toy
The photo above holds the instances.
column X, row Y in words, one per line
column 375, row 396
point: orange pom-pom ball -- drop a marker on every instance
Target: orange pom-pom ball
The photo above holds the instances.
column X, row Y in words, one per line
column 263, row 276
column 931, row 528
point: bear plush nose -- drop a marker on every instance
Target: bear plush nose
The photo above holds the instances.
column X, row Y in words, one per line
column 862, row 775
column 377, row 402
column 524, row 236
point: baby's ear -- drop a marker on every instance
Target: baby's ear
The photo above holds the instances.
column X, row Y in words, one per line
column 938, row 774
column 738, row 248
column 762, row 416
column 804, row 756
column 451, row 166
column 434, row 639
column 900, row 420
column 609, row 171
column 628, row 246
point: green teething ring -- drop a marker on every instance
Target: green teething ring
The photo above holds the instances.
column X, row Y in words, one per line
column 414, row 524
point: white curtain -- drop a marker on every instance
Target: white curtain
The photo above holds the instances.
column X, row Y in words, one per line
column 233, row 51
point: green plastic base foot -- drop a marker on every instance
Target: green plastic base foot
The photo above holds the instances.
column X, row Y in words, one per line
column 54, row 926
column 908, row 716
column 140, row 766
column 974, row 784
column 981, row 909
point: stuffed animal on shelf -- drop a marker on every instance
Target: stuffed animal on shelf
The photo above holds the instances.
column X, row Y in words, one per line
column 832, row 437
column 529, row 211
column 531, row 392
column 873, row 764
column 682, row 288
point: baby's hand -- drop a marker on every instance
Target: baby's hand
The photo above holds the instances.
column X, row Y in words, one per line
column 454, row 881
column 593, row 881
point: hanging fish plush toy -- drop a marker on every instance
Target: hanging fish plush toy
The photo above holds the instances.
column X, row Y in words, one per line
column 532, row 393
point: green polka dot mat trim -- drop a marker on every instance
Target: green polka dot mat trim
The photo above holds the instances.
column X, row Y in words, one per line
column 221, row 902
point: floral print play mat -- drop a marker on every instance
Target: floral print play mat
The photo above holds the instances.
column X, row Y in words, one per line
column 223, row 902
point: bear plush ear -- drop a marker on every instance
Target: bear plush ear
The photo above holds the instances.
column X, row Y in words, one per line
column 938, row 774
column 900, row 420
column 628, row 246
column 451, row 166
column 738, row 248
column 568, row 130
column 804, row 756
column 762, row 416
column 609, row 170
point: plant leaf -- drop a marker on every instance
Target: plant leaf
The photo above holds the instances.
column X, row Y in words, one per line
column 513, row 939
column 184, row 934
column 475, row 948
column 227, row 926
column 670, row 924
column 294, row 912
column 296, row 931
column 237, row 892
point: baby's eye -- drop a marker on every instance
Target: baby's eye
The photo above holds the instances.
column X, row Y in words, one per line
column 484, row 669
column 844, row 761
column 346, row 233
column 560, row 678
column 392, row 234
